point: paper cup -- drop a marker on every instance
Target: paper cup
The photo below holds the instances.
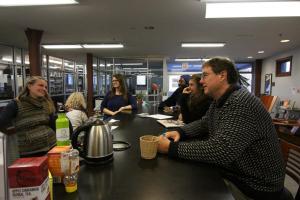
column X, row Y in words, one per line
column 148, row 145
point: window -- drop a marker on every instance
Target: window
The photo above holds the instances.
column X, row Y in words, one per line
column 284, row 66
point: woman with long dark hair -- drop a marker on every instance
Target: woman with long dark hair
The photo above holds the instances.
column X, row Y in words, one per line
column 118, row 99
column 33, row 115
column 193, row 102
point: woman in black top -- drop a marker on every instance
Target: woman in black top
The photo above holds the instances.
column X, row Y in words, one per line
column 193, row 102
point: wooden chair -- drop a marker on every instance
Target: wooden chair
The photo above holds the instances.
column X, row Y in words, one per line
column 268, row 102
column 291, row 155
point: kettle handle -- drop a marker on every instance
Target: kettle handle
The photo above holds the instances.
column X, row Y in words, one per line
column 75, row 139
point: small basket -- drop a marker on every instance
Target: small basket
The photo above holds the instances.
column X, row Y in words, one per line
column 148, row 145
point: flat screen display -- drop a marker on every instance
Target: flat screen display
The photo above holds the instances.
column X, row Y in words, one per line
column 70, row 79
column 140, row 80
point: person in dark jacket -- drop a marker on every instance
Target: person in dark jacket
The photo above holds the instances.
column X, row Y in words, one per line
column 236, row 134
column 193, row 102
column 33, row 115
column 118, row 99
column 183, row 82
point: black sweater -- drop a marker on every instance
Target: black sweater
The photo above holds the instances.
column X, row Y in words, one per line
column 241, row 139
column 197, row 109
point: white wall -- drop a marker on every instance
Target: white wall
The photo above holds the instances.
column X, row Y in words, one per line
column 283, row 85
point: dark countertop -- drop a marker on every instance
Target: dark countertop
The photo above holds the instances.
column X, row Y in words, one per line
column 130, row 177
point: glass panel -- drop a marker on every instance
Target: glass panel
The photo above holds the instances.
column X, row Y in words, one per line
column 55, row 82
column 19, row 77
column 27, row 72
column 94, row 62
column 18, row 56
column 6, row 54
column 26, row 62
column 244, row 67
column 102, row 77
column 69, row 66
column 55, row 76
column 108, row 82
column 95, row 82
column 80, row 83
column 6, row 82
column 55, row 63
column 173, row 82
column 80, row 77
column 44, row 67
column 285, row 66
column 108, row 73
column 26, row 57
column 70, row 82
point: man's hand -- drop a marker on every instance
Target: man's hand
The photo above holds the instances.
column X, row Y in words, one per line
column 163, row 144
column 173, row 134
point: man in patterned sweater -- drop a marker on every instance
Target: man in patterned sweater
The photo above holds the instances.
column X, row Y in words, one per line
column 236, row 134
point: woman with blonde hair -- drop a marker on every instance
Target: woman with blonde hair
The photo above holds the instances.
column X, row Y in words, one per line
column 33, row 115
column 76, row 108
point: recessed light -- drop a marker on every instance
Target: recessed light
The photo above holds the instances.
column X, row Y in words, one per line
column 102, row 46
column 261, row 52
column 250, row 57
column 253, row 9
column 149, row 27
column 7, row 3
column 284, row 41
column 192, row 45
column 62, row 46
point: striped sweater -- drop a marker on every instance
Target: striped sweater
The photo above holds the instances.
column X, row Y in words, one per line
column 32, row 122
column 237, row 135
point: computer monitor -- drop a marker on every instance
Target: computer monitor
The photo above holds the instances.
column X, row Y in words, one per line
column 141, row 80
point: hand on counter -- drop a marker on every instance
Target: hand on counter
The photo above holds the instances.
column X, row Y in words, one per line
column 163, row 144
column 174, row 135
column 164, row 141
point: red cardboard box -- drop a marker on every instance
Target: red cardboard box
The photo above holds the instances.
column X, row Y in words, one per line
column 28, row 172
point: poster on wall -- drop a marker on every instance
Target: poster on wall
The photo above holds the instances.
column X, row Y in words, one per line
column 268, row 84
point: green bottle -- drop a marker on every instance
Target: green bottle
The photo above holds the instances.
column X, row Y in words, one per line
column 62, row 130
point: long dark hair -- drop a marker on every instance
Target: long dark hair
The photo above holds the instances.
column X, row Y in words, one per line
column 123, row 87
column 199, row 96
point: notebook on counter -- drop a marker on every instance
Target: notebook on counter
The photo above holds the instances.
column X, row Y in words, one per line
column 169, row 123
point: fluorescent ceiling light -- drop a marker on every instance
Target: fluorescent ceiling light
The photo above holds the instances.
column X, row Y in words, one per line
column 187, row 59
column 35, row 2
column 7, row 59
column 55, row 62
column 284, row 41
column 202, row 44
column 63, row 46
column 253, row 9
column 129, row 64
column 103, row 46
column 261, row 52
column 249, row 57
column 135, row 69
